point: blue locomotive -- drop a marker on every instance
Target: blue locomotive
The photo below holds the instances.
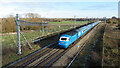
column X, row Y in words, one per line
column 68, row 38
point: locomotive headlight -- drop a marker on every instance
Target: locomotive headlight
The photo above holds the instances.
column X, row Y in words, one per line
column 68, row 39
column 79, row 33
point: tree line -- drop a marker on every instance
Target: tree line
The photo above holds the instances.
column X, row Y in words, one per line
column 9, row 23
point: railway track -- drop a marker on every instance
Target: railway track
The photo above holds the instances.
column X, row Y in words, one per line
column 42, row 54
column 32, row 55
column 45, row 56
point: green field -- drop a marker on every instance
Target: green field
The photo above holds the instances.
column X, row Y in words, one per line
column 68, row 22
column 11, row 39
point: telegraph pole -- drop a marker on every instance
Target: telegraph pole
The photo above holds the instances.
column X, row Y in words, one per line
column 97, row 18
column 46, row 25
column 74, row 21
column 105, row 20
column 42, row 26
column 87, row 19
column 18, row 35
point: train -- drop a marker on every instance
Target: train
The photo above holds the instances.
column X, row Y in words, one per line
column 66, row 39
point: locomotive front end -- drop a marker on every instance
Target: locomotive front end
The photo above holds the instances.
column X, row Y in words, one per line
column 64, row 42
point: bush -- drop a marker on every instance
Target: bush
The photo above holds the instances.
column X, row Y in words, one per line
column 8, row 24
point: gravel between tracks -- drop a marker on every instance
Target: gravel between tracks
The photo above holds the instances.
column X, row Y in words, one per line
column 45, row 56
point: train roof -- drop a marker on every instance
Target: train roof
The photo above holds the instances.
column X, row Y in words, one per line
column 81, row 28
column 71, row 33
column 84, row 27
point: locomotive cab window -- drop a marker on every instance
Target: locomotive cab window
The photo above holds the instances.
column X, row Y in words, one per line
column 64, row 39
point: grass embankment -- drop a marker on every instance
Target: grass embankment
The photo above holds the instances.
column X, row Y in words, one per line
column 111, row 41
column 91, row 55
column 9, row 41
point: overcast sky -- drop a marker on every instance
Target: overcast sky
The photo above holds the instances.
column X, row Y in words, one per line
column 60, row 9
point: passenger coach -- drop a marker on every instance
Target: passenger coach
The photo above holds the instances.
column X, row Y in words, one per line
column 68, row 38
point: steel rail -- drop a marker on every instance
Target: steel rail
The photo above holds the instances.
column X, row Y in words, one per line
column 55, row 58
column 37, row 57
column 30, row 54
column 52, row 57
column 46, row 58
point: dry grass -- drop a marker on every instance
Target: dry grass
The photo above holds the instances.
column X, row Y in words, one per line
column 111, row 39
column 91, row 55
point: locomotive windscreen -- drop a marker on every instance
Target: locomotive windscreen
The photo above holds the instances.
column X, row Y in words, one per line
column 64, row 39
